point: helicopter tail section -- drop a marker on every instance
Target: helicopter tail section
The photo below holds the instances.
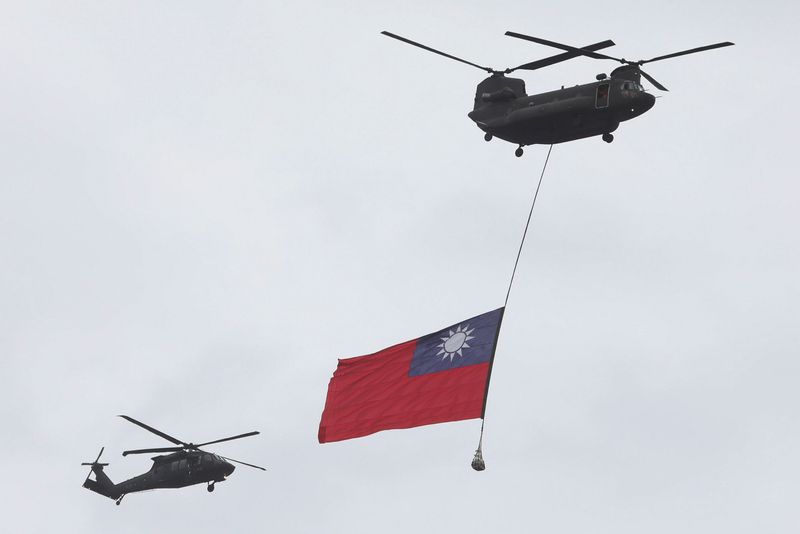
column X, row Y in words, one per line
column 101, row 483
column 498, row 90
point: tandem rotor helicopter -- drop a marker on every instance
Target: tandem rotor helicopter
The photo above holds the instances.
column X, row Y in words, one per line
column 503, row 109
column 186, row 466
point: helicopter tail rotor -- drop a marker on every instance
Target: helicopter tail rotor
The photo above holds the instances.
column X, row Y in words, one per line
column 96, row 463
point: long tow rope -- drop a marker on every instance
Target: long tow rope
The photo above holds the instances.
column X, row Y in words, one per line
column 527, row 224
column 477, row 461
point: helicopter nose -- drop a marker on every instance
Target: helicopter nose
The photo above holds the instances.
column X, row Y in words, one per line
column 647, row 101
column 229, row 467
column 641, row 103
column 644, row 102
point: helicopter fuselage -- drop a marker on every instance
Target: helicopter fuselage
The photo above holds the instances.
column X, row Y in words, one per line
column 557, row 116
column 176, row 470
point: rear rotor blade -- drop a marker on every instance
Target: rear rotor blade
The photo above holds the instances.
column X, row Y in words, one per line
column 685, row 52
column 96, row 462
column 429, row 49
column 552, row 60
column 154, row 431
column 243, row 463
column 568, row 48
column 228, row 439
column 652, row 80
column 159, row 449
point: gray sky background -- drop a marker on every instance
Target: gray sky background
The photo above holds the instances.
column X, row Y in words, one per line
column 203, row 205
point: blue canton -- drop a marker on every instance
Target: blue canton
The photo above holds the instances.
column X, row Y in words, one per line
column 476, row 342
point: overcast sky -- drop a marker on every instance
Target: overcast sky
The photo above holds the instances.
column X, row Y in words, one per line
column 203, row 205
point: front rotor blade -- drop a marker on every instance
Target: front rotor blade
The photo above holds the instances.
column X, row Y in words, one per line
column 568, row 48
column 228, row 439
column 685, row 52
column 158, row 449
column 552, row 60
column 153, row 430
column 652, row 80
column 243, row 463
column 429, row 49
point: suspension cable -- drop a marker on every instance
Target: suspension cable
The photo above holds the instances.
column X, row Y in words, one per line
column 478, row 463
column 527, row 224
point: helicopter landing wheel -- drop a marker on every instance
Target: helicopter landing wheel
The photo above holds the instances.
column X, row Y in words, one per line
column 487, row 137
column 518, row 152
column 607, row 137
column 210, row 487
column 118, row 501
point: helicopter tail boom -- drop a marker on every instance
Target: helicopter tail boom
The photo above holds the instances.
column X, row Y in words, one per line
column 102, row 484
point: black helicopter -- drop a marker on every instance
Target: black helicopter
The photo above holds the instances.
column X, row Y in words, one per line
column 186, row 466
column 503, row 109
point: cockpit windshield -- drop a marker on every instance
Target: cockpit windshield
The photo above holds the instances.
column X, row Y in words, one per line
column 632, row 86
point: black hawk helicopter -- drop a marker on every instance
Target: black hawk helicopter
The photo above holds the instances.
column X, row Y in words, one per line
column 503, row 109
column 186, row 466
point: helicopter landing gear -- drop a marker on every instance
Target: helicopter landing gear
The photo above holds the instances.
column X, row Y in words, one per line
column 119, row 500
column 607, row 137
column 518, row 152
column 487, row 137
column 210, row 487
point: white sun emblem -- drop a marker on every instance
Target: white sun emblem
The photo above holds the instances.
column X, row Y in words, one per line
column 452, row 344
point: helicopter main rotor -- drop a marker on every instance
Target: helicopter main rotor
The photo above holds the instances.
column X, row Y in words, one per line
column 637, row 64
column 182, row 445
column 533, row 65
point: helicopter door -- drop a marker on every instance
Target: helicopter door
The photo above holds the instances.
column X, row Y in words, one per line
column 601, row 97
column 194, row 464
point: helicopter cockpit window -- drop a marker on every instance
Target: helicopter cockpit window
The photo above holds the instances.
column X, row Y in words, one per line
column 601, row 98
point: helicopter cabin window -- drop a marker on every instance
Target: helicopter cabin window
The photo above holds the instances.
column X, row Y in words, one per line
column 601, row 98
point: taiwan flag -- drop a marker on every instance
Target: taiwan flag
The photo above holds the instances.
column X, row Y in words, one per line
column 439, row 377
